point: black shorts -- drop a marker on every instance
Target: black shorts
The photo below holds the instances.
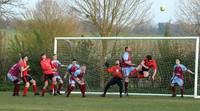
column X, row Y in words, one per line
column 144, row 69
column 48, row 77
column 27, row 78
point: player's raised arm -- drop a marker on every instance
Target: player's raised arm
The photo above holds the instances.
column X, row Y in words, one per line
column 154, row 69
column 189, row 71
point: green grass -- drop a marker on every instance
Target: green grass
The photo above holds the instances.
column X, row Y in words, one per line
column 96, row 103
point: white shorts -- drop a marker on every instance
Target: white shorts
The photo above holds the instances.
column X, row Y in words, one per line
column 72, row 82
column 11, row 77
column 177, row 80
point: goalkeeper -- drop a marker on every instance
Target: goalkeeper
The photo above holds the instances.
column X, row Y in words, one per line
column 117, row 78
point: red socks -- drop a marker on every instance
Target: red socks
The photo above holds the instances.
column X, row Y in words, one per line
column 16, row 89
column 83, row 89
column 25, row 91
column 70, row 89
column 43, row 92
column 182, row 90
column 140, row 76
column 133, row 72
column 60, row 86
column 52, row 87
column 173, row 89
column 126, row 87
column 35, row 89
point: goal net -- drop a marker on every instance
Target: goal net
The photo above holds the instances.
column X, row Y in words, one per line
column 95, row 51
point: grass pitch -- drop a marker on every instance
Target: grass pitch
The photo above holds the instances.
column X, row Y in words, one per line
column 95, row 103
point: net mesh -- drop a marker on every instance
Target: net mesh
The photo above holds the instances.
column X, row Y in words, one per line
column 94, row 53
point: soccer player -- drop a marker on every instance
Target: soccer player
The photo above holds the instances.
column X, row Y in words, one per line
column 13, row 76
column 24, row 68
column 56, row 64
column 48, row 72
column 117, row 78
column 177, row 78
column 78, row 77
column 70, row 70
column 127, row 67
column 145, row 66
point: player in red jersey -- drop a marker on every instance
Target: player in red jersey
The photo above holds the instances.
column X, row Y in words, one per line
column 13, row 76
column 48, row 72
column 78, row 77
column 144, row 67
column 26, row 77
column 178, row 77
column 117, row 78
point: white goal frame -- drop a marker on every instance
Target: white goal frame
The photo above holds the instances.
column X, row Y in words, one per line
column 141, row 38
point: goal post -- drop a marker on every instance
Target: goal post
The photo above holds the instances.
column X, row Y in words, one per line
column 79, row 47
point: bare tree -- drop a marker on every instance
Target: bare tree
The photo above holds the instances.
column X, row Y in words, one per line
column 190, row 13
column 110, row 17
column 7, row 7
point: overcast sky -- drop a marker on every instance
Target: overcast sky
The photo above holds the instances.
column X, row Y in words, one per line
column 158, row 16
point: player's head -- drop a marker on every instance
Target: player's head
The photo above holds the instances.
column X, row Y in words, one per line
column 55, row 56
column 43, row 56
column 74, row 61
column 148, row 57
column 25, row 58
column 117, row 62
column 127, row 49
column 83, row 68
column 178, row 61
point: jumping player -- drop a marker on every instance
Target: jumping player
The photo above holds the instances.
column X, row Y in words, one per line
column 56, row 64
column 26, row 77
column 177, row 78
column 117, row 78
column 13, row 76
column 78, row 77
column 70, row 70
column 48, row 72
column 145, row 66
column 127, row 67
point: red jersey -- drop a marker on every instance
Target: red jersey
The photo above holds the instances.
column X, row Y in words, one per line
column 116, row 70
column 24, row 65
column 46, row 66
column 15, row 69
column 150, row 64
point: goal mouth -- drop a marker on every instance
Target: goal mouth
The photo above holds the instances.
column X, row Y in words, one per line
column 88, row 50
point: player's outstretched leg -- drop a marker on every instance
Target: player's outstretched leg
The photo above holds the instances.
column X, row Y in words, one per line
column 119, row 83
column 70, row 89
column 110, row 83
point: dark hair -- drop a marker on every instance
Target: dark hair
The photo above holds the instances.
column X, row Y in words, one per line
column 149, row 57
column 42, row 54
column 23, row 56
column 126, row 47
column 74, row 59
column 178, row 59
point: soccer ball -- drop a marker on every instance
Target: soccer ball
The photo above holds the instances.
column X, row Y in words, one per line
column 162, row 8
